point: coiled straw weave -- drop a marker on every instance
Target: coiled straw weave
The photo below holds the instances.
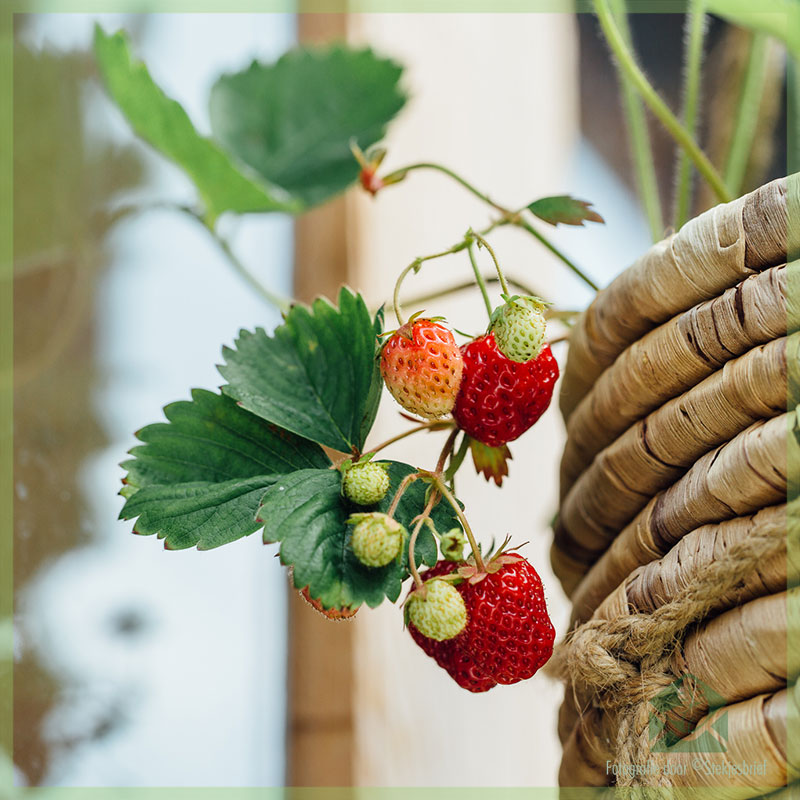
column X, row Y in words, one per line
column 674, row 537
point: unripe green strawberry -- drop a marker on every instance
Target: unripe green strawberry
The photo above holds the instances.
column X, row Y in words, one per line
column 439, row 612
column 519, row 328
column 366, row 483
column 377, row 539
column 452, row 544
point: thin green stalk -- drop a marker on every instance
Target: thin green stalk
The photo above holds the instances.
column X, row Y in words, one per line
column 412, row 561
column 422, row 299
column 628, row 65
column 695, row 32
column 640, row 136
column 509, row 217
column 283, row 304
column 483, row 243
column 404, row 484
column 425, row 426
column 479, row 280
column 744, row 129
column 521, row 223
column 476, row 552
column 418, row 262
column 398, row 174
column 414, row 267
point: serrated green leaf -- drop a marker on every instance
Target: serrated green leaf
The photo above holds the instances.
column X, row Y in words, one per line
column 293, row 121
column 164, row 123
column 203, row 514
column 212, row 439
column 315, row 376
column 306, row 513
column 197, row 479
column 564, row 209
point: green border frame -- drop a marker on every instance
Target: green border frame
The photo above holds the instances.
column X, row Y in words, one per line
column 8, row 8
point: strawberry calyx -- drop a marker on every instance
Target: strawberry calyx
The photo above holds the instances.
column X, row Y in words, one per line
column 421, row 591
column 492, row 462
column 354, row 460
column 512, row 299
column 406, row 330
column 471, row 573
column 436, row 609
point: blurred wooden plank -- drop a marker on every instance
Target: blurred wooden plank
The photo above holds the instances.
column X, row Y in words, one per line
column 320, row 708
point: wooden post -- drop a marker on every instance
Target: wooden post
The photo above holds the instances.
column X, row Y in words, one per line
column 320, row 713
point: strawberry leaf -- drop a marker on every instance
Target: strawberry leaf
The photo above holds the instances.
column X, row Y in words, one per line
column 293, row 121
column 198, row 478
column 306, row 512
column 317, row 376
column 564, row 209
column 491, row 461
column 164, row 123
column 203, row 514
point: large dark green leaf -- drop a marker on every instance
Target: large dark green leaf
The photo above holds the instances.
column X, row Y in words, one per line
column 202, row 515
column 211, row 438
column 198, row 479
column 163, row 123
column 293, row 121
column 315, row 376
column 306, row 513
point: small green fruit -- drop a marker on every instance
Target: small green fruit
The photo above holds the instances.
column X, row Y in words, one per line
column 452, row 544
column 377, row 539
column 440, row 614
column 519, row 328
column 366, row 483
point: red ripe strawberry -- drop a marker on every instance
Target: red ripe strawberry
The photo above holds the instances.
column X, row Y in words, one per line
column 509, row 632
column 421, row 365
column 458, row 663
column 499, row 398
column 508, row 636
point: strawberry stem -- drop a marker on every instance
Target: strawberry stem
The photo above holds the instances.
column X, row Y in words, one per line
column 435, row 425
column 414, row 266
column 526, row 226
column 421, row 300
column 483, row 243
column 446, row 451
column 404, row 484
column 412, row 563
column 479, row 280
column 509, row 217
column 476, row 553
column 393, row 176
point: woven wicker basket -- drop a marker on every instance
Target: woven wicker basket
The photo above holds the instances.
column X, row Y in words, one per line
column 671, row 537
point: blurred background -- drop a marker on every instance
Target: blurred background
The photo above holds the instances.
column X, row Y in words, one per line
column 138, row 666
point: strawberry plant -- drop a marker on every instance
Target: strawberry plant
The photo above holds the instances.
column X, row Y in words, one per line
column 284, row 447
